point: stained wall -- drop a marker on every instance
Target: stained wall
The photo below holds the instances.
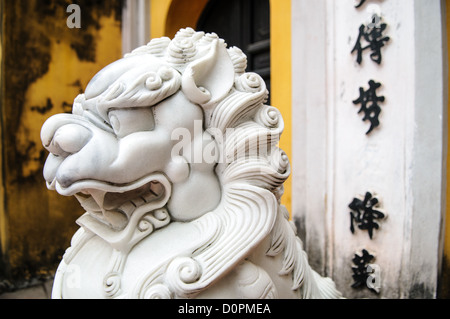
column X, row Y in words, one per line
column 45, row 65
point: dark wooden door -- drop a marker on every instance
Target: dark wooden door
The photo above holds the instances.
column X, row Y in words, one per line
column 245, row 24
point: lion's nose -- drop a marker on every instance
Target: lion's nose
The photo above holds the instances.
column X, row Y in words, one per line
column 63, row 136
column 69, row 139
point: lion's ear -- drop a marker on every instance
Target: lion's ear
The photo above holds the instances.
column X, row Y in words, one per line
column 209, row 78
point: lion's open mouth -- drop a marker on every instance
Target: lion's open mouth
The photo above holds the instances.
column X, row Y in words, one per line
column 115, row 207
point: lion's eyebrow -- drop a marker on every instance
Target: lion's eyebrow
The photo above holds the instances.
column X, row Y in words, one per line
column 147, row 88
column 98, row 121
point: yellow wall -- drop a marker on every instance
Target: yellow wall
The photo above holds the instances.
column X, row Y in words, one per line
column 45, row 66
column 3, row 220
column 158, row 17
column 168, row 16
column 280, row 72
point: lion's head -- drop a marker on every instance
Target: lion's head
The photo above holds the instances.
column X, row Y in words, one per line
column 174, row 131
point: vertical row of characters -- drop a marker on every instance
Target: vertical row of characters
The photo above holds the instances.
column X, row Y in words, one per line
column 364, row 211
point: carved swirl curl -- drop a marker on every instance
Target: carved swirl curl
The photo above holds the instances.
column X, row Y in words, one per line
column 157, row 46
column 280, row 161
column 145, row 225
column 185, row 33
column 181, row 273
column 208, row 38
column 269, row 117
column 158, row 291
column 161, row 214
column 239, row 60
column 153, row 81
column 153, row 219
column 111, row 284
column 181, row 50
column 250, row 82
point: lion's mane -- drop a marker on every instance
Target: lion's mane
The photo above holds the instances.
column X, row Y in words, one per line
column 251, row 169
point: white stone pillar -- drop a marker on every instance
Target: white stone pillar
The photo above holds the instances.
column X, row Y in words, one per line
column 135, row 24
column 401, row 162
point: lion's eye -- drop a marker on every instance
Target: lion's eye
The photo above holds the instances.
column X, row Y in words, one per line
column 131, row 120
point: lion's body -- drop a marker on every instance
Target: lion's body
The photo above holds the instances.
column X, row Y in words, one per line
column 257, row 276
column 88, row 281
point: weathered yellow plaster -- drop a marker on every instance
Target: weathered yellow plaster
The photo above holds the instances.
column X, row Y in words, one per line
column 55, row 66
column 3, row 217
column 158, row 10
column 280, row 72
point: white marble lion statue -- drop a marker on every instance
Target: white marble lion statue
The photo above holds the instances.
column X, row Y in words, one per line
column 172, row 152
